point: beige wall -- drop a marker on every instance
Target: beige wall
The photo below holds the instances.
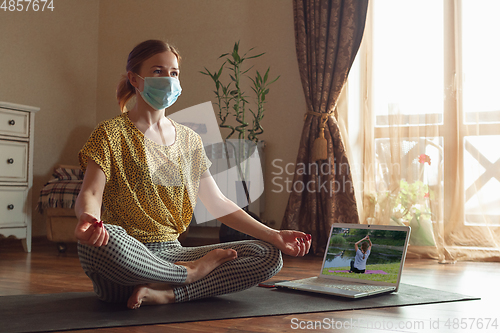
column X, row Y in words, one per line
column 69, row 62
column 49, row 60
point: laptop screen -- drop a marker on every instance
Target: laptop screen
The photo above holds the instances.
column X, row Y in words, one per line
column 370, row 254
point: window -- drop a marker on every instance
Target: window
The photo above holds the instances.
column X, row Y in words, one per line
column 430, row 71
column 408, row 61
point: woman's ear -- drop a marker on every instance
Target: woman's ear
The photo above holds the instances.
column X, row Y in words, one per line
column 133, row 79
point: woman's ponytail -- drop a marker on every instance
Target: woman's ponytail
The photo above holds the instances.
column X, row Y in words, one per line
column 124, row 92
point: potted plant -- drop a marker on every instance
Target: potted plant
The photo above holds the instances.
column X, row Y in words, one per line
column 410, row 205
column 232, row 100
column 239, row 113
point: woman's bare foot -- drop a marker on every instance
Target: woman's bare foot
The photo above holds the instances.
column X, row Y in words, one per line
column 200, row 268
column 163, row 293
column 151, row 294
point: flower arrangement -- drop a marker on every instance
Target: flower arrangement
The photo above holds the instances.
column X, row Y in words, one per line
column 412, row 201
column 409, row 205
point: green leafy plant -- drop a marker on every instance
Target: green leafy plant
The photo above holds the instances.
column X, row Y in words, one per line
column 232, row 100
column 406, row 204
column 411, row 201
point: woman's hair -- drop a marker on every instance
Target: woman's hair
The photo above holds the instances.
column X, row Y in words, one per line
column 364, row 247
column 143, row 51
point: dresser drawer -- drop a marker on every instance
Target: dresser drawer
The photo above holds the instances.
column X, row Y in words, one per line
column 13, row 161
column 14, row 123
column 12, row 206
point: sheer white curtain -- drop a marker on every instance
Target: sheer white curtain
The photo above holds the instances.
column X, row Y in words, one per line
column 424, row 124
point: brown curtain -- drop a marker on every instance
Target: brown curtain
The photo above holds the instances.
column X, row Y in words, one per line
column 327, row 36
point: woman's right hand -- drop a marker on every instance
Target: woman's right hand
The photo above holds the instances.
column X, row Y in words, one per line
column 90, row 231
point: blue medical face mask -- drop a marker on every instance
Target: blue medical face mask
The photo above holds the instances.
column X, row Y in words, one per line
column 160, row 91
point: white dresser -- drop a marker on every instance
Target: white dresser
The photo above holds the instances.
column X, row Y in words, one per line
column 16, row 170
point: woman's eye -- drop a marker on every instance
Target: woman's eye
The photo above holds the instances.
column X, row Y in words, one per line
column 157, row 71
column 174, row 74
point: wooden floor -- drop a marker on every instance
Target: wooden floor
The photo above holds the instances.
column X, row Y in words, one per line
column 44, row 270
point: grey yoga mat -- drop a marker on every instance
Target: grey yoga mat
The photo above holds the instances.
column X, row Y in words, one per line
column 72, row 311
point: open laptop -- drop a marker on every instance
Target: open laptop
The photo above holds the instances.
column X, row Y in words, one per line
column 383, row 263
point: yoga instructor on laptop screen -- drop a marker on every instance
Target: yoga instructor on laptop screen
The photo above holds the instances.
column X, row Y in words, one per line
column 148, row 171
column 360, row 260
column 358, row 265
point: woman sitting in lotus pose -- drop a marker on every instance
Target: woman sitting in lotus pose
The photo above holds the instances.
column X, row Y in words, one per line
column 130, row 249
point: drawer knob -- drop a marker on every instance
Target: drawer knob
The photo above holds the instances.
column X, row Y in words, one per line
column 10, row 161
column 12, row 122
column 10, row 207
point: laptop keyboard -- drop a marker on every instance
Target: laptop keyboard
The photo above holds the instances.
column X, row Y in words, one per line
column 343, row 286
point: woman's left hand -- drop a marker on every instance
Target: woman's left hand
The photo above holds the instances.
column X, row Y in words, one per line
column 293, row 243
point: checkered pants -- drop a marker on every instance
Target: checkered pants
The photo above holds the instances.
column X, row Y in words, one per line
column 115, row 269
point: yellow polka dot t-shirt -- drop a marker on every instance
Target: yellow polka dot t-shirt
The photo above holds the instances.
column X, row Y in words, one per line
column 151, row 189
